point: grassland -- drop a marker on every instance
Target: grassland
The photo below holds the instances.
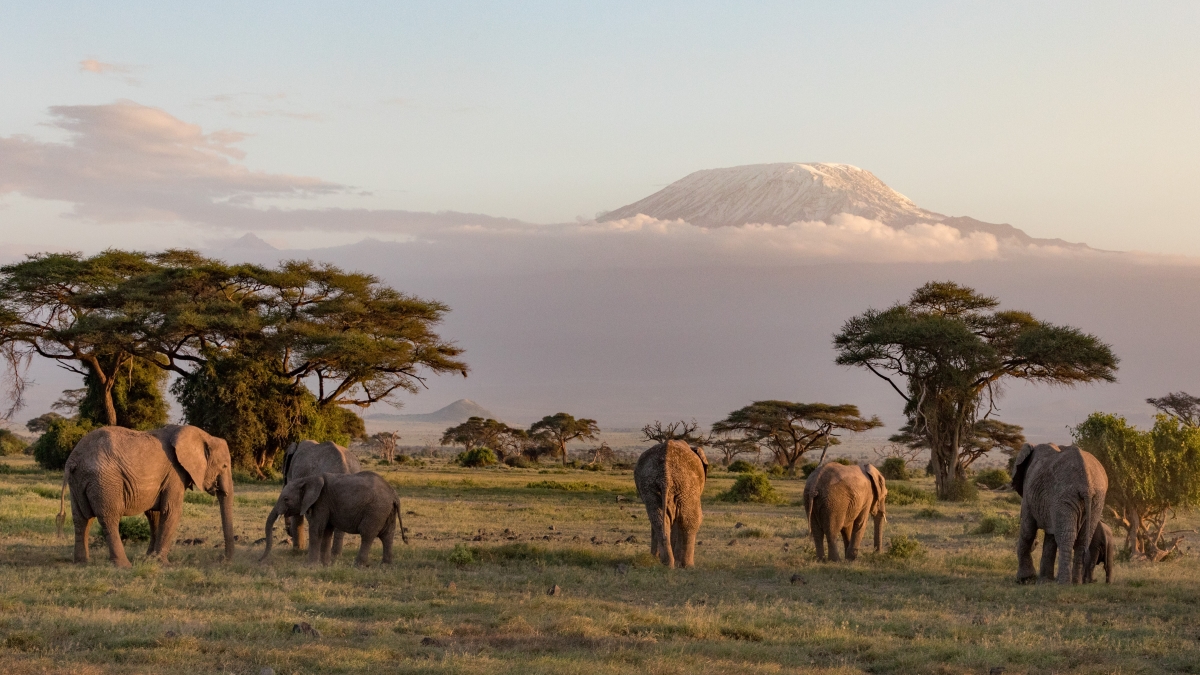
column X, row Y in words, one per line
column 469, row 594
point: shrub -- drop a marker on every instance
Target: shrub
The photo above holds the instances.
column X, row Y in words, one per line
column 518, row 462
column 134, row 528
column 845, row 461
column 775, row 470
column 193, row 497
column 461, row 555
column 999, row 525
column 591, row 466
column 993, row 478
column 930, row 513
column 740, row 466
column 752, row 487
column 894, row 468
column 904, row 547
column 807, row 468
column 569, row 486
column 476, row 457
column 962, row 491
column 53, row 448
column 754, row 533
column 1013, row 498
column 11, row 444
column 900, row 494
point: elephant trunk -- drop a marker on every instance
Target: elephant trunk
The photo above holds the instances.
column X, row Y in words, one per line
column 275, row 513
column 225, row 498
column 880, row 519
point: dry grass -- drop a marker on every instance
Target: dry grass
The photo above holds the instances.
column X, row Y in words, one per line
column 955, row 609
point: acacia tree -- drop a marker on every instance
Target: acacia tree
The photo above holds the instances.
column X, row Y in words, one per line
column 688, row 432
column 561, row 428
column 1180, row 405
column 1151, row 475
column 485, row 433
column 789, row 430
column 978, row 440
column 947, row 352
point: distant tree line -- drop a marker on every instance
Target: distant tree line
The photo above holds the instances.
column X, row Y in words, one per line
column 262, row 356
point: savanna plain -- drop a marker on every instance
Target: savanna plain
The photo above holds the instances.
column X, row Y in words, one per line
column 470, row 592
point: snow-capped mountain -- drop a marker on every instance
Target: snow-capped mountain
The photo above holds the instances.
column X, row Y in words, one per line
column 781, row 194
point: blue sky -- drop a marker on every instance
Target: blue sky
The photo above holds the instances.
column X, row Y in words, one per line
column 1076, row 120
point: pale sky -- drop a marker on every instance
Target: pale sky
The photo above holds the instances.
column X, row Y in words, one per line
column 1072, row 120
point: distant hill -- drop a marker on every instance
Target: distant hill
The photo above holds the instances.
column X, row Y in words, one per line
column 455, row 413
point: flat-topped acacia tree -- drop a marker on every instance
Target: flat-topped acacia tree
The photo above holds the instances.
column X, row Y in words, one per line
column 790, row 430
column 947, row 351
column 562, row 428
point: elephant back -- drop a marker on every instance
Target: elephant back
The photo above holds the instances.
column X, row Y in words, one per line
column 840, row 484
column 309, row 458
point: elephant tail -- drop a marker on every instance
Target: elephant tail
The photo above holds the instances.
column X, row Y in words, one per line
column 398, row 513
column 61, row 518
column 664, row 506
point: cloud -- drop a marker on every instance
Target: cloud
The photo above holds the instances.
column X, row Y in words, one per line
column 101, row 68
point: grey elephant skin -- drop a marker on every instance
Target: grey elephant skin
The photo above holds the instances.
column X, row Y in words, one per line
column 670, row 479
column 1062, row 492
column 357, row 503
column 838, row 500
column 1102, row 551
column 115, row 472
column 310, row 458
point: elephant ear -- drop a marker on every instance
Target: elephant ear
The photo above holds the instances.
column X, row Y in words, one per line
column 1020, row 466
column 187, row 446
column 703, row 459
column 878, row 486
column 288, row 456
column 313, row 488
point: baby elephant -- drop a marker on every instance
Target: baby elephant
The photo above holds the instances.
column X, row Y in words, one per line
column 1103, row 549
column 357, row 503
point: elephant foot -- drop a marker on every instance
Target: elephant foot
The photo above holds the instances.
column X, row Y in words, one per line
column 122, row 564
column 1027, row 580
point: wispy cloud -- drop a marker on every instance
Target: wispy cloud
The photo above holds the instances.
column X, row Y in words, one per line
column 101, row 68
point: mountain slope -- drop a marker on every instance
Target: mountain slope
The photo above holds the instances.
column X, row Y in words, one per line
column 455, row 413
column 781, row 194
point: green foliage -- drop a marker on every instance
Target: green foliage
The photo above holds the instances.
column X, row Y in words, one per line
column 333, row 423
column 461, row 555
column 947, row 351
column 993, row 478
column 11, row 444
column 754, row 488
column 561, row 428
column 195, row 497
column 895, row 468
column 789, row 430
column 902, row 494
column 476, row 457
column 807, row 468
column 518, row 462
column 39, row 424
column 1151, row 474
column 929, row 513
column 568, row 486
column 904, row 547
column 46, row 492
column 741, row 466
column 477, row 431
column 962, row 490
column 137, row 394
column 775, row 471
column 1000, row 525
column 135, row 528
column 54, row 446
column 754, row 533
column 844, row 461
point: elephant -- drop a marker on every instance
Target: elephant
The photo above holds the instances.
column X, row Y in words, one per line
column 1062, row 492
column 115, row 472
column 309, row 458
column 670, row 478
column 838, row 499
column 358, row 503
column 1103, row 550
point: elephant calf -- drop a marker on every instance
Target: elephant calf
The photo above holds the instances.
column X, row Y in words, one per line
column 309, row 458
column 357, row 503
column 838, row 499
column 1102, row 551
column 669, row 478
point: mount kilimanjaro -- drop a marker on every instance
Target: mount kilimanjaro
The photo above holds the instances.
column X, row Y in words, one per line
column 781, row 194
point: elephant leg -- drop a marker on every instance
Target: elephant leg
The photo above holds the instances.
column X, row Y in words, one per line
column 168, row 524
column 665, row 549
column 818, row 538
column 1025, row 540
column 295, row 528
column 152, row 517
column 831, row 539
column 685, row 539
column 337, row 543
column 364, row 551
column 82, row 524
column 327, row 546
column 846, row 538
column 315, row 531
column 386, row 538
column 1049, row 554
column 856, row 536
column 111, row 525
column 1078, row 561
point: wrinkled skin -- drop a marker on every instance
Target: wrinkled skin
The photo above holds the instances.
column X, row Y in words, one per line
column 670, row 478
column 309, row 458
column 1102, row 551
column 838, row 500
column 115, row 472
column 357, row 503
column 1062, row 492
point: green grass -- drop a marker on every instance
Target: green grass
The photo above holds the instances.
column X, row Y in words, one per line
column 943, row 601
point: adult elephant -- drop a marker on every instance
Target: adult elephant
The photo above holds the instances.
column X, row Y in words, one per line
column 838, row 499
column 670, row 478
column 115, row 472
column 310, row 458
column 1062, row 492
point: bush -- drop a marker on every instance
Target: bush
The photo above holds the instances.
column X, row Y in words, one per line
column 775, row 470
column 963, row 491
column 461, row 555
column 740, row 466
column 807, row 468
column 894, row 468
column 999, row 525
column 930, row 513
column 194, row 497
column 845, row 461
column 476, row 457
column 993, row 478
column 518, row 462
column 134, row 528
column 11, row 444
column 570, row 486
column 900, row 494
column 904, row 547
column 754, row 533
column 752, row 487
column 1013, row 498
column 53, row 448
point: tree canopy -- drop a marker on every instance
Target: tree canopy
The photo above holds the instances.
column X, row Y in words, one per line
column 947, row 352
column 561, row 428
column 978, row 440
column 492, row 434
column 789, row 430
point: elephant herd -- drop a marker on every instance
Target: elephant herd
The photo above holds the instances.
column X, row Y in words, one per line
column 115, row 472
column 1062, row 492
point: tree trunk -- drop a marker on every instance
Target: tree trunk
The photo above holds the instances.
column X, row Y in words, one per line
column 1135, row 525
column 944, row 458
